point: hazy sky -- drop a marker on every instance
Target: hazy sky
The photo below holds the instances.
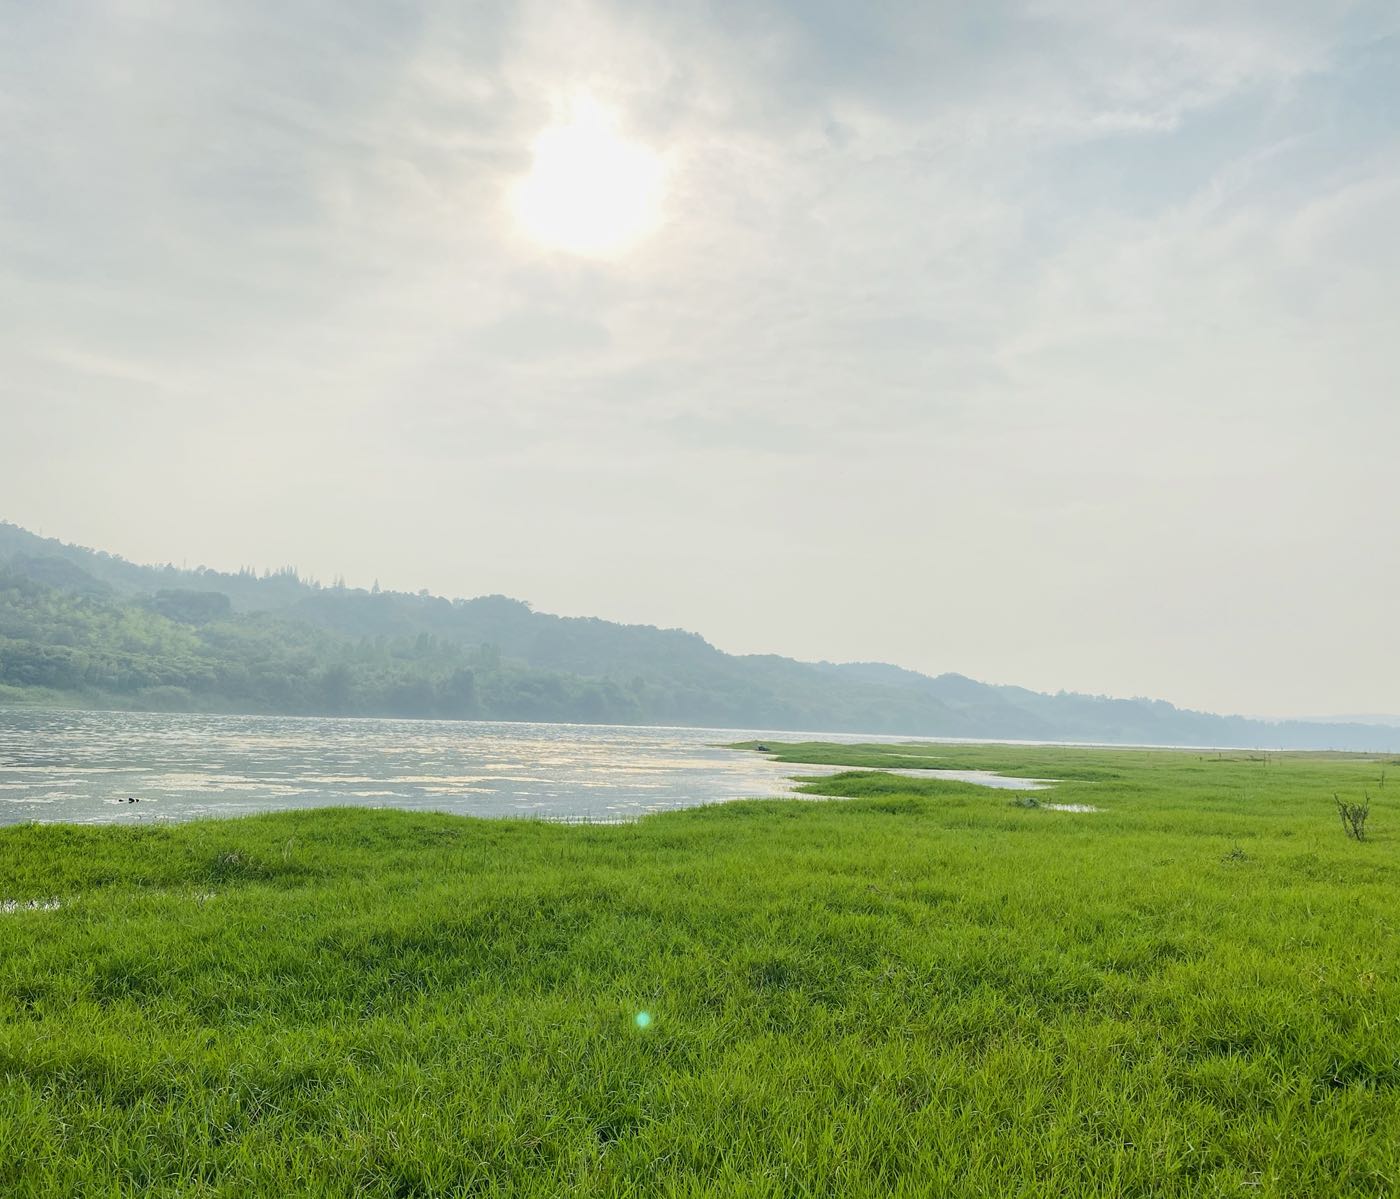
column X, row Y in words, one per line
column 1051, row 342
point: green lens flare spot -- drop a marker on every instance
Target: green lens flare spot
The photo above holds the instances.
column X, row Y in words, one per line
column 643, row 1019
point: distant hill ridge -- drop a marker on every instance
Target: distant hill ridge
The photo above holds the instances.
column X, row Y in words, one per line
column 85, row 627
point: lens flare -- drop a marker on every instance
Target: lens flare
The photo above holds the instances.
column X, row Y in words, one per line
column 643, row 1019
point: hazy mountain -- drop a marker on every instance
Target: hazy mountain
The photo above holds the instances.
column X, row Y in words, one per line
column 81, row 626
column 1386, row 718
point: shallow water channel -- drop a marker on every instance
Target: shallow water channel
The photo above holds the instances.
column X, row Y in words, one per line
column 83, row 766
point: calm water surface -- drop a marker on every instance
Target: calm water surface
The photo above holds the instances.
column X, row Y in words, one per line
column 81, row 766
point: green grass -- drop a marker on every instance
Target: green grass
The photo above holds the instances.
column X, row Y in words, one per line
column 919, row 990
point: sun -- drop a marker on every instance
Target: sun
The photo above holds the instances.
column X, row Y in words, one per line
column 590, row 190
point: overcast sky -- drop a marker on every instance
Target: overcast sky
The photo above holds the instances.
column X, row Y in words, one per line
column 1053, row 342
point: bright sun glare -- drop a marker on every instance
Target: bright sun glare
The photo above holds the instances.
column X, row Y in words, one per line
column 590, row 190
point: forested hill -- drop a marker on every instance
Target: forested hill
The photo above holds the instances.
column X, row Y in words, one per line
column 83, row 627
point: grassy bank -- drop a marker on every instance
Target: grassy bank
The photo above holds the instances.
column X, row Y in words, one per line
column 918, row 990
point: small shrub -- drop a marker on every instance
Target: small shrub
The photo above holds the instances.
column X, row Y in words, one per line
column 1025, row 801
column 1353, row 815
column 1237, row 854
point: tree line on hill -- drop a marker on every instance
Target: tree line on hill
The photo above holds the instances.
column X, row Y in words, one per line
column 81, row 627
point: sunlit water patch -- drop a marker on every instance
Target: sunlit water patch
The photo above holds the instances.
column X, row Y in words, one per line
column 9, row 907
column 84, row 766
column 982, row 778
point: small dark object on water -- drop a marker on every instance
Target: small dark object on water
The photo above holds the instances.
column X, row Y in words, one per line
column 130, row 800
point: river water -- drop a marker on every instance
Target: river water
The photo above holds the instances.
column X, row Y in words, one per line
column 58, row 765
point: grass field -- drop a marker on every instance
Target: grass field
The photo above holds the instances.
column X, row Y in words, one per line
column 918, row 990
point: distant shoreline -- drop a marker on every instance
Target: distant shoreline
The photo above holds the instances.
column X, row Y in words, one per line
column 746, row 733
